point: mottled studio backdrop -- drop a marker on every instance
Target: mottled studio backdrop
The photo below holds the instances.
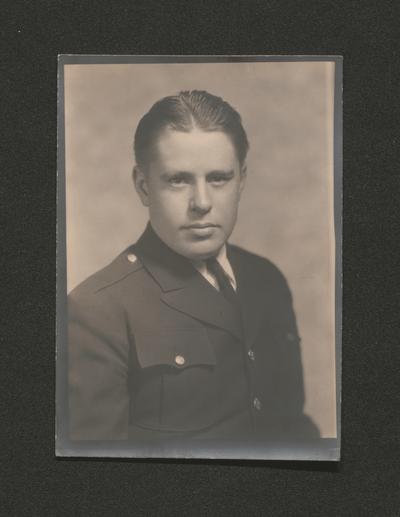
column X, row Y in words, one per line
column 286, row 210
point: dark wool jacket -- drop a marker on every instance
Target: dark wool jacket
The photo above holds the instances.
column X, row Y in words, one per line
column 155, row 351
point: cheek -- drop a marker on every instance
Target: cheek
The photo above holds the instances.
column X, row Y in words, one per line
column 168, row 204
column 228, row 202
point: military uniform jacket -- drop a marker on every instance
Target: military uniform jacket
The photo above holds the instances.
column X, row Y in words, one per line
column 155, row 351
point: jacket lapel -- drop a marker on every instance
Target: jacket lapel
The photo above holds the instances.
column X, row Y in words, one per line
column 254, row 299
column 201, row 301
column 183, row 287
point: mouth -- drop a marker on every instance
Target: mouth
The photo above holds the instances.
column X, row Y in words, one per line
column 200, row 231
column 200, row 226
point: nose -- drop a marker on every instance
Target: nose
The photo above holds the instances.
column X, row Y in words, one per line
column 200, row 200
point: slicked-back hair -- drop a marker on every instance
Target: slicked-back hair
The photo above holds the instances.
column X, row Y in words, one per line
column 184, row 112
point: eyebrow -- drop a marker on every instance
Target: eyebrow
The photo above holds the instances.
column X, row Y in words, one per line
column 175, row 173
column 222, row 173
column 226, row 173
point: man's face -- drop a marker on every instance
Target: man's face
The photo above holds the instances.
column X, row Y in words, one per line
column 192, row 188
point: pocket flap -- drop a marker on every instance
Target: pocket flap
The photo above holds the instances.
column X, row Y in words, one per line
column 179, row 348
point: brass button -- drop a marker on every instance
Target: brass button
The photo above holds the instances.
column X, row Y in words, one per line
column 180, row 360
column 257, row 403
column 251, row 355
column 131, row 257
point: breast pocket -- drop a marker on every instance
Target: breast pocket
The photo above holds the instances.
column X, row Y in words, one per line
column 178, row 375
column 175, row 348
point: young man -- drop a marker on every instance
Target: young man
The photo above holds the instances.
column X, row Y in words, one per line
column 184, row 335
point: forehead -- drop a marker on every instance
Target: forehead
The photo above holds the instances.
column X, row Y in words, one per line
column 196, row 150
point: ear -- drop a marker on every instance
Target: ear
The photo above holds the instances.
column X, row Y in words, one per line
column 243, row 176
column 140, row 182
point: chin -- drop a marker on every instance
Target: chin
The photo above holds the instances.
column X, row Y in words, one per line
column 202, row 250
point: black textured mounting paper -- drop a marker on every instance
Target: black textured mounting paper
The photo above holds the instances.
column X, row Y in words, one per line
column 366, row 482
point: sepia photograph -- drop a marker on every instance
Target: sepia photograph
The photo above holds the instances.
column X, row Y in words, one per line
column 199, row 276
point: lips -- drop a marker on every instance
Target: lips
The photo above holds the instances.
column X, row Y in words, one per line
column 200, row 226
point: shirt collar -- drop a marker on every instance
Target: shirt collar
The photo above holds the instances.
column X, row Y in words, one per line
column 223, row 261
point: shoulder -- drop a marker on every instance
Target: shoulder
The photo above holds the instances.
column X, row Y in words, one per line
column 100, row 285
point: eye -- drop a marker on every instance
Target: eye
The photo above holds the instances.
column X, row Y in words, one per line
column 219, row 179
column 177, row 180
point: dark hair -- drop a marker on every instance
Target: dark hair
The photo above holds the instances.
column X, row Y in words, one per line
column 183, row 112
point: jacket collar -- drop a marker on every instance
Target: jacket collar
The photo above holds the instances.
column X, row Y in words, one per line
column 183, row 286
column 185, row 289
column 169, row 269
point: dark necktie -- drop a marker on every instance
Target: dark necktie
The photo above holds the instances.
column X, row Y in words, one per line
column 224, row 284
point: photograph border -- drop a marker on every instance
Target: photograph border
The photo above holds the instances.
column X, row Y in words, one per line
column 328, row 449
